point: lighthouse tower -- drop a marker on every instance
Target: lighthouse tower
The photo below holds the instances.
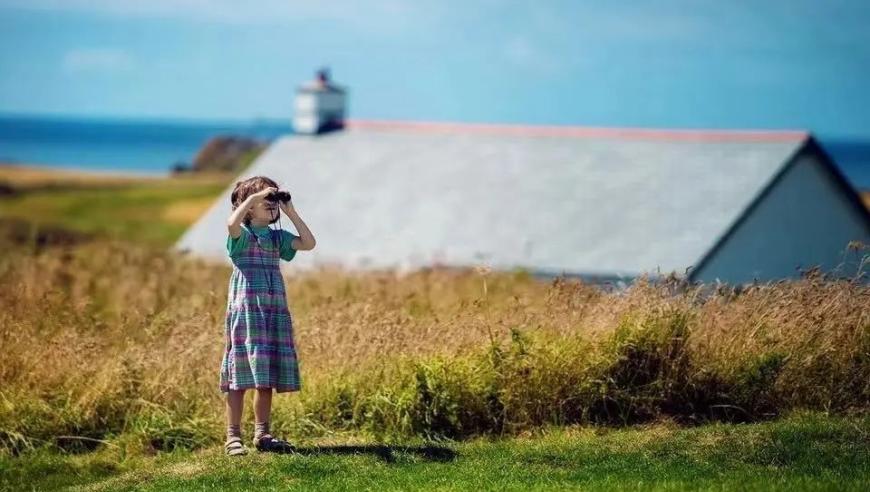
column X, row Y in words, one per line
column 319, row 106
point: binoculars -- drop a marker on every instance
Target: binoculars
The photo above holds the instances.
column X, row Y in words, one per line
column 275, row 196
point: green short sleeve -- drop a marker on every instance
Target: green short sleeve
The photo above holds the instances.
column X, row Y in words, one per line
column 287, row 251
column 236, row 245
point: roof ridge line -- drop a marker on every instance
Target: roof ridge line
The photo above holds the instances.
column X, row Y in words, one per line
column 582, row 131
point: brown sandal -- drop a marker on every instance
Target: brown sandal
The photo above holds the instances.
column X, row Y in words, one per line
column 269, row 444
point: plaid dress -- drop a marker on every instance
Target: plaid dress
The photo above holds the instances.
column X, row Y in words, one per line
column 260, row 352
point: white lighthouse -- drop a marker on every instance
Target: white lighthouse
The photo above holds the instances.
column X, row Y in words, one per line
column 319, row 106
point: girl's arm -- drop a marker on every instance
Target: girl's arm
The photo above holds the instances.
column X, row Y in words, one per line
column 234, row 223
column 306, row 239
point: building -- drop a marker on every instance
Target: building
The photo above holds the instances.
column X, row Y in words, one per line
column 605, row 204
column 319, row 106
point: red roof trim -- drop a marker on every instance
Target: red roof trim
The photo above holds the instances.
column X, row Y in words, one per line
column 582, row 132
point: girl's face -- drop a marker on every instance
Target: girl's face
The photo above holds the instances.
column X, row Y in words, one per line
column 264, row 213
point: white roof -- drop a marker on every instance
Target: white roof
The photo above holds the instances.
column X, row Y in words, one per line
column 592, row 202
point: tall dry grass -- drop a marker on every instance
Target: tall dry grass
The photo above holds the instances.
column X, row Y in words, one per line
column 117, row 343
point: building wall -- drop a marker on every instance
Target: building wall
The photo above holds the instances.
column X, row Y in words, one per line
column 804, row 220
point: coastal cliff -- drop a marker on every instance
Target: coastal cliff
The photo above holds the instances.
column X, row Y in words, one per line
column 224, row 153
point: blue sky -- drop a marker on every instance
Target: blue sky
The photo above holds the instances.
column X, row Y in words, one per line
column 713, row 64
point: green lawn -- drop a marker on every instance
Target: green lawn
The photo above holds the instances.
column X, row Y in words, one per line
column 802, row 452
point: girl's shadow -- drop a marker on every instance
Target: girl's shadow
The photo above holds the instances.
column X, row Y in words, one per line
column 386, row 453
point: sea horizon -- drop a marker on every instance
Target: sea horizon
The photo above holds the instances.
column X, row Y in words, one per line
column 136, row 146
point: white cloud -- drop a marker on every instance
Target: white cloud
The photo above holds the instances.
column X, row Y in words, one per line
column 97, row 60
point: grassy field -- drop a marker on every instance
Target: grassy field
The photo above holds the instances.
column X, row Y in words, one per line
column 440, row 379
column 802, row 452
column 155, row 211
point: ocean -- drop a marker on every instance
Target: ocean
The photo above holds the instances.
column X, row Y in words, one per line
column 116, row 145
column 153, row 147
column 853, row 158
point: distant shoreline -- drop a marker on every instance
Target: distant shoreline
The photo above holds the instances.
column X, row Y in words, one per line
column 80, row 171
column 134, row 147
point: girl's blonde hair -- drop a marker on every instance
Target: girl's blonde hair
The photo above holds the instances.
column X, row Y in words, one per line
column 248, row 187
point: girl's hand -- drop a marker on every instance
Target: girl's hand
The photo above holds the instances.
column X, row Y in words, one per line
column 306, row 240
column 287, row 207
column 261, row 195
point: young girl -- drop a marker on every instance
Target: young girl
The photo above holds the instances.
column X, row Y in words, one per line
column 260, row 352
